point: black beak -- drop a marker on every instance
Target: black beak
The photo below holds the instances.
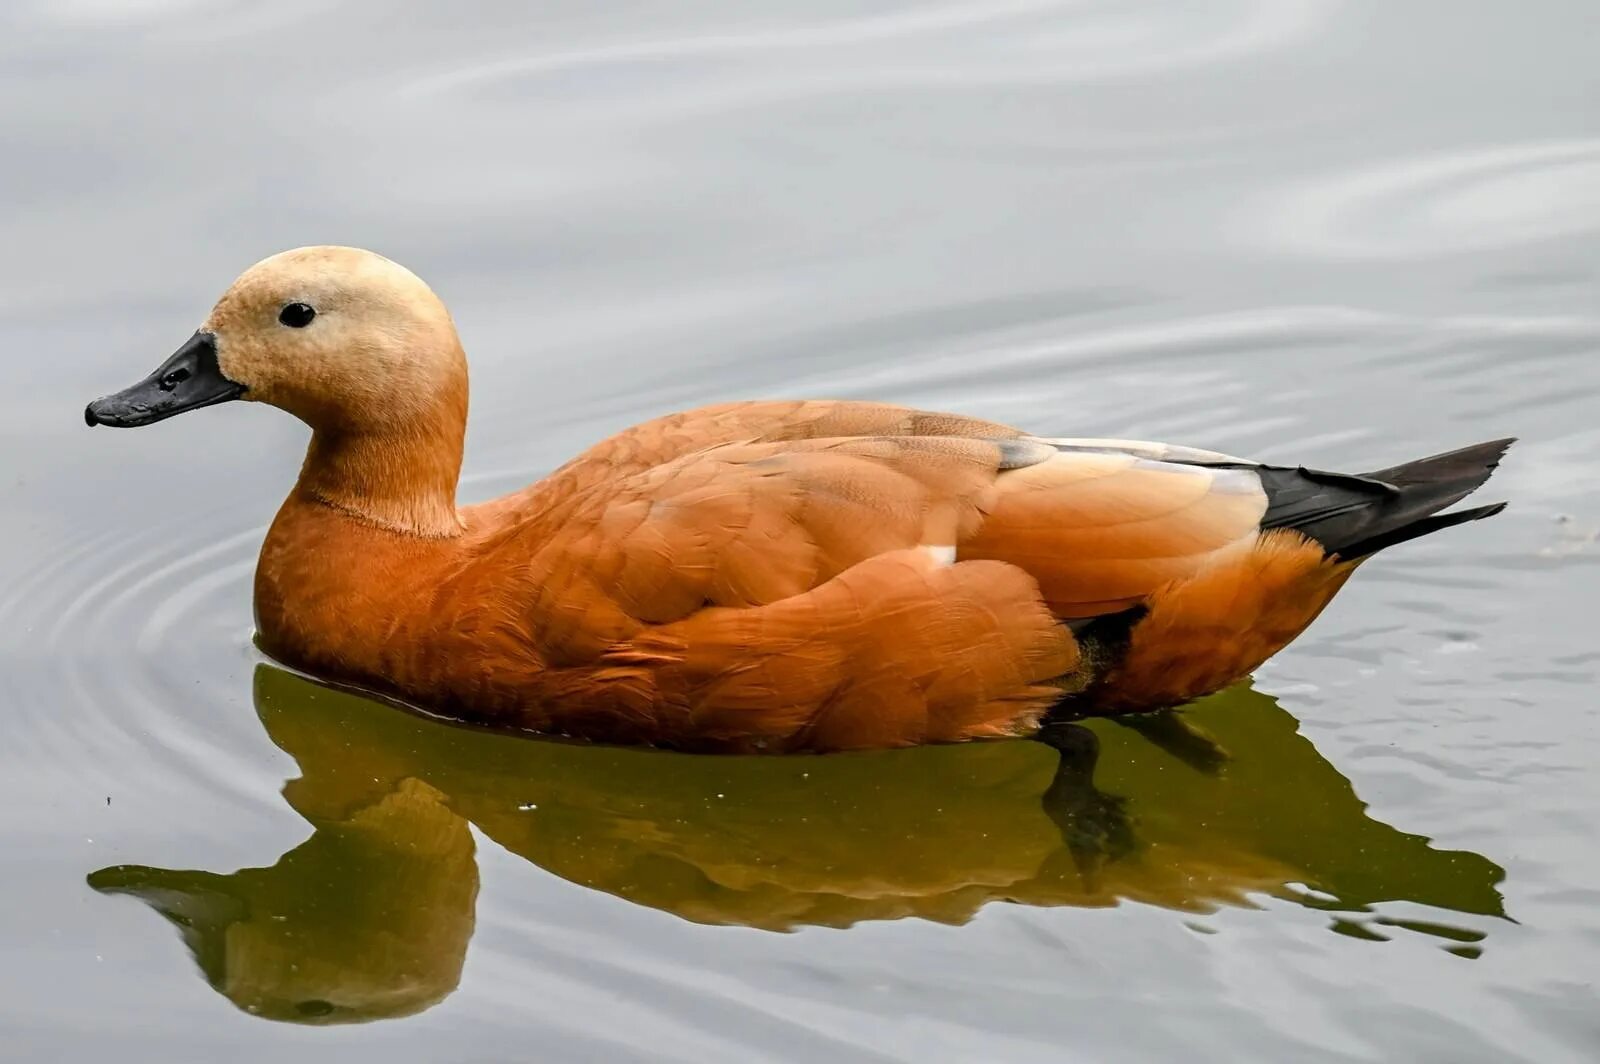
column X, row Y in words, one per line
column 188, row 380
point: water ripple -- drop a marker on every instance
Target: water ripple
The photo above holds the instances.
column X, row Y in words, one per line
column 125, row 631
column 1478, row 199
column 1022, row 42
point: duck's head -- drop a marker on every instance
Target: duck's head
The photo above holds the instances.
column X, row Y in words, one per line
column 340, row 337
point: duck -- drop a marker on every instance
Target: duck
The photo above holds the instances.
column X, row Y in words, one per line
column 766, row 576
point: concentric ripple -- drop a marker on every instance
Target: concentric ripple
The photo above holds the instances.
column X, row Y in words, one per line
column 138, row 643
column 125, row 631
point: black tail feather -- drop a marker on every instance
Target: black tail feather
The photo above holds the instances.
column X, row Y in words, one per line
column 1355, row 516
column 1466, row 468
column 1420, row 527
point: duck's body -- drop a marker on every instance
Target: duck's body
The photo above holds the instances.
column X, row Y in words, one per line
column 778, row 576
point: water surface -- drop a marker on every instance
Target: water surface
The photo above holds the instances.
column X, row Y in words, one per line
column 1340, row 233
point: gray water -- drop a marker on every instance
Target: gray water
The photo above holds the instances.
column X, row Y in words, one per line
column 1345, row 234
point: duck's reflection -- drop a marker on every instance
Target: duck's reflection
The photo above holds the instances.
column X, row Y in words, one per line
column 370, row 916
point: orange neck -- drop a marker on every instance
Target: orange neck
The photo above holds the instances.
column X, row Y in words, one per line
column 401, row 478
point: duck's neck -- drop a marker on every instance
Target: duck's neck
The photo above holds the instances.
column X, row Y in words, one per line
column 401, row 478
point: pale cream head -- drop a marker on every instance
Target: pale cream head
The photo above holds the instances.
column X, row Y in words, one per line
column 354, row 345
column 379, row 348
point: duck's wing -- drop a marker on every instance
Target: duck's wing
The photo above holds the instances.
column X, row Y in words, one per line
column 1101, row 524
column 750, row 524
column 819, row 592
column 795, row 595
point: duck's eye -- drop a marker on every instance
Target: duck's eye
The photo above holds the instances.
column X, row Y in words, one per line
column 297, row 315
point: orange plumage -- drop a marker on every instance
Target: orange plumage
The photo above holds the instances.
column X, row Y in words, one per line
column 774, row 576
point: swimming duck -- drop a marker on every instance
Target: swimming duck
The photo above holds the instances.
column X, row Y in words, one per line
column 777, row 576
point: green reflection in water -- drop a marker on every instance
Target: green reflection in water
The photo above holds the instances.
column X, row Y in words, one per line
column 370, row 916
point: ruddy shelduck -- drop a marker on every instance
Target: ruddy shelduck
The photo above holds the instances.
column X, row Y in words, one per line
column 774, row 576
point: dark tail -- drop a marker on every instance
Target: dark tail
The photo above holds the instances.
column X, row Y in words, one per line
column 1355, row 516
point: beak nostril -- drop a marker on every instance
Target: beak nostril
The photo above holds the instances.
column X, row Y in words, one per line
column 188, row 380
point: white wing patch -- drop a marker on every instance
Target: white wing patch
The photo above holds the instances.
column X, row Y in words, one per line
column 1170, row 452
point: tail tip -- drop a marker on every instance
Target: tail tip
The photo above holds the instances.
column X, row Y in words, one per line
column 1490, row 510
column 1498, row 449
